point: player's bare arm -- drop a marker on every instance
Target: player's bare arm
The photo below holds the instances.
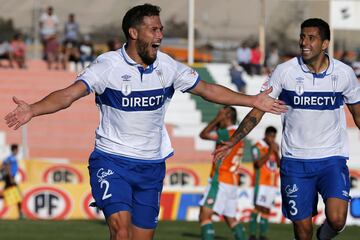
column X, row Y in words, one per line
column 355, row 111
column 53, row 102
column 206, row 133
column 263, row 158
column 247, row 124
column 222, row 95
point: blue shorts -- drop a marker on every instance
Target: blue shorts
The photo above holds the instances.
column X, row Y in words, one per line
column 124, row 185
column 301, row 181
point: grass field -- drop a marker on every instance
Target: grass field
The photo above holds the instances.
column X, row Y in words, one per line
column 167, row 230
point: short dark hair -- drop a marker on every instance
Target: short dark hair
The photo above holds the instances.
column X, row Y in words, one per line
column 233, row 114
column 323, row 27
column 135, row 15
column 270, row 129
column 14, row 147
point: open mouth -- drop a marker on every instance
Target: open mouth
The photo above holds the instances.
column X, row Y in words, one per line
column 305, row 51
column 155, row 45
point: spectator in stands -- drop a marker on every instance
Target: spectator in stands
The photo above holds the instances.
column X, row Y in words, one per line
column 255, row 61
column 266, row 158
column 272, row 59
column 114, row 44
column 10, row 169
column 52, row 52
column 48, row 28
column 19, row 50
column 70, row 49
column 236, row 74
column 86, row 49
column 220, row 196
column 346, row 58
column 71, row 31
column 6, row 53
column 243, row 56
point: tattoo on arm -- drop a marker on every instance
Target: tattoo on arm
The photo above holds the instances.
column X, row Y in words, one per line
column 248, row 124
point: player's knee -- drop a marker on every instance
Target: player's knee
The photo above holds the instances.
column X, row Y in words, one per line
column 118, row 230
column 119, row 233
column 304, row 235
column 303, row 231
column 337, row 223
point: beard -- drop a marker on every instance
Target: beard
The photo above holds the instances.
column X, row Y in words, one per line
column 142, row 49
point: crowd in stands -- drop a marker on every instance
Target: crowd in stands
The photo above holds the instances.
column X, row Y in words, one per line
column 249, row 61
column 58, row 50
column 13, row 52
column 60, row 46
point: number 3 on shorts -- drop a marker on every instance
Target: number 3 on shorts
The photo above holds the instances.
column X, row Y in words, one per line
column 106, row 194
column 293, row 210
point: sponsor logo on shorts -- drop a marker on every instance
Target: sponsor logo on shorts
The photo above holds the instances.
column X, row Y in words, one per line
column 102, row 174
column 290, row 190
column 345, row 193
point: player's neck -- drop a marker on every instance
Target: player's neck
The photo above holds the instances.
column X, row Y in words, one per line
column 133, row 54
column 319, row 64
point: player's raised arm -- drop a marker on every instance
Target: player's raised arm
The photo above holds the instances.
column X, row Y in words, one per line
column 222, row 95
column 246, row 126
column 53, row 102
column 208, row 132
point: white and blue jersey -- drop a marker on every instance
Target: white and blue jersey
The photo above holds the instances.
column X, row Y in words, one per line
column 132, row 102
column 314, row 127
column 314, row 142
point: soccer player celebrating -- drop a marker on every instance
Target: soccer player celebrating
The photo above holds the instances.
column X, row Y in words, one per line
column 314, row 145
column 220, row 196
column 133, row 87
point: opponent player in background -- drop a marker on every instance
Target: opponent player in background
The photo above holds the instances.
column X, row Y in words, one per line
column 266, row 162
column 220, row 196
column 133, row 87
column 314, row 145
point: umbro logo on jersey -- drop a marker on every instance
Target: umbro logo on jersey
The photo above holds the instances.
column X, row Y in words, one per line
column 126, row 77
column 290, row 190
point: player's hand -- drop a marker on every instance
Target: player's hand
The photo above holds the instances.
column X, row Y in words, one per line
column 221, row 115
column 266, row 103
column 275, row 147
column 222, row 151
column 21, row 115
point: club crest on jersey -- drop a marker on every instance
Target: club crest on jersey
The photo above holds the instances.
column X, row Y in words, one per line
column 299, row 87
column 126, row 89
column 334, row 81
column 126, row 77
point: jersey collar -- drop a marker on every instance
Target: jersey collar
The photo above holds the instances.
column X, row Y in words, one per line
column 131, row 62
column 323, row 74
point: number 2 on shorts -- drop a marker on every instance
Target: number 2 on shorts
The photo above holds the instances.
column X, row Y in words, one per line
column 106, row 194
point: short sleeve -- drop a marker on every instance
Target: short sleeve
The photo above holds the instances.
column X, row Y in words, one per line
column 95, row 75
column 274, row 81
column 351, row 92
column 186, row 78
